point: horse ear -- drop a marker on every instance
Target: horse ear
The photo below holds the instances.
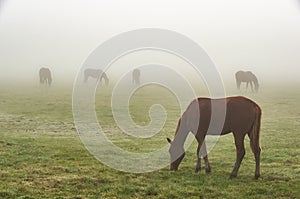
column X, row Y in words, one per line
column 169, row 140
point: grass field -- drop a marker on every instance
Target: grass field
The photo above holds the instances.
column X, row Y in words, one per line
column 41, row 155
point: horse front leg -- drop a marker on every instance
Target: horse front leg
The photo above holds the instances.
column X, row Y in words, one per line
column 201, row 151
column 198, row 165
column 238, row 84
column 205, row 157
column 251, row 84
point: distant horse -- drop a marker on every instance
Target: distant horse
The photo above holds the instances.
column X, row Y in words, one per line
column 45, row 76
column 243, row 116
column 248, row 77
column 136, row 74
column 95, row 73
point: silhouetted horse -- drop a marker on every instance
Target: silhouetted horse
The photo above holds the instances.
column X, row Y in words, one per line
column 45, row 76
column 248, row 77
column 243, row 116
column 95, row 73
column 136, row 74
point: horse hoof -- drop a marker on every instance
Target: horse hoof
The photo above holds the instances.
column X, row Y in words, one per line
column 256, row 177
column 208, row 170
column 197, row 170
column 232, row 176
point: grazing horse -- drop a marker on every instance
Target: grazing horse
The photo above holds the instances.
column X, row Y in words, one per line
column 243, row 116
column 45, row 76
column 248, row 77
column 95, row 73
column 136, row 74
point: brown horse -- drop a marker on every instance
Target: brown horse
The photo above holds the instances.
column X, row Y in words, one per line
column 95, row 73
column 248, row 77
column 243, row 116
column 136, row 74
column 45, row 76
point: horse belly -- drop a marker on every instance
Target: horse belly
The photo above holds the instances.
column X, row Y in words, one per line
column 234, row 122
column 219, row 131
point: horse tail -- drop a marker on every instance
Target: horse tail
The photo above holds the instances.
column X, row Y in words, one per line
column 133, row 77
column 238, row 81
column 49, row 77
column 255, row 131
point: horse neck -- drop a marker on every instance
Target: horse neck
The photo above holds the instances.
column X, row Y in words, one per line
column 104, row 76
column 180, row 135
column 255, row 81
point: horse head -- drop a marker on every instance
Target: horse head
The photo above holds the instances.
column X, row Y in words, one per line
column 177, row 153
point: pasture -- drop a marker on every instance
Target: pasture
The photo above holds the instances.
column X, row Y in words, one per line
column 42, row 156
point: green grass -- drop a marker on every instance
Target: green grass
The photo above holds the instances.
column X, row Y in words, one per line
column 41, row 155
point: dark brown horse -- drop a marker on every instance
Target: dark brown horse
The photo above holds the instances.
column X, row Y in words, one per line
column 243, row 116
column 95, row 73
column 136, row 74
column 248, row 77
column 45, row 76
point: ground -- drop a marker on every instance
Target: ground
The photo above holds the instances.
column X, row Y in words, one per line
column 42, row 156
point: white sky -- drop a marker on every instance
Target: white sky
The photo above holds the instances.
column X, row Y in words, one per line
column 258, row 35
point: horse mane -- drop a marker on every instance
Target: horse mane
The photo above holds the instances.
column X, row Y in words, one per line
column 177, row 128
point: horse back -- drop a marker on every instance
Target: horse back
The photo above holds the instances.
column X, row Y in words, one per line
column 245, row 76
column 45, row 72
column 93, row 72
column 240, row 115
column 136, row 73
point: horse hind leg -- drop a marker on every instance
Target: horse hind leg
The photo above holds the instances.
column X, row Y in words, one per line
column 138, row 81
column 240, row 152
column 43, row 80
column 257, row 163
column 256, row 151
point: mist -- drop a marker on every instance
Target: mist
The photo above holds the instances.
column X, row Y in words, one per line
column 259, row 36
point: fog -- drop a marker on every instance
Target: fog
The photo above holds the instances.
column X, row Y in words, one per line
column 261, row 36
